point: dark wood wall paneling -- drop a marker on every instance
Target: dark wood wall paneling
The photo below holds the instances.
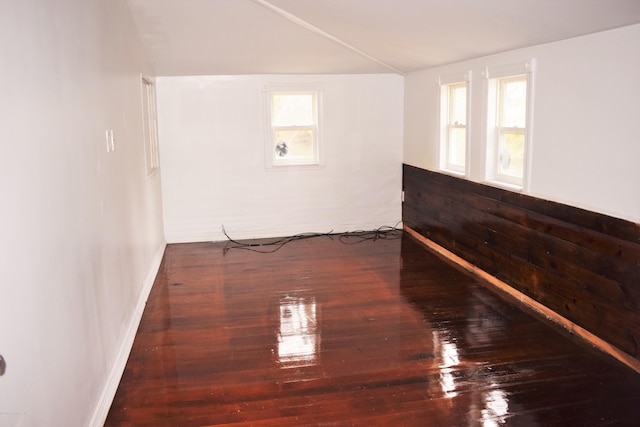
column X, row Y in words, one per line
column 583, row 265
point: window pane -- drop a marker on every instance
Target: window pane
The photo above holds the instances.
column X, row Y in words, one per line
column 511, row 154
column 293, row 144
column 513, row 96
column 292, row 110
column 458, row 104
column 457, row 146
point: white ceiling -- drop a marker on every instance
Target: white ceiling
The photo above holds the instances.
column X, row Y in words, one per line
column 226, row 37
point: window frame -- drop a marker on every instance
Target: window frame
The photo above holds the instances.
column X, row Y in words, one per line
column 150, row 124
column 272, row 161
column 446, row 83
column 495, row 130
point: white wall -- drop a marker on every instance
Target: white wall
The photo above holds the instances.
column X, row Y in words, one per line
column 213, row 169
column 80, row 228
column 585, row 126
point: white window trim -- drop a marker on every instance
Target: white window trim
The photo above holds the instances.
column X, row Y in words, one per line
column 273, row 163
column 526, row 68
column 445, row 81
column 150, row 124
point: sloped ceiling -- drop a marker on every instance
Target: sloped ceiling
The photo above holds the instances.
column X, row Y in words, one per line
column 228, row 37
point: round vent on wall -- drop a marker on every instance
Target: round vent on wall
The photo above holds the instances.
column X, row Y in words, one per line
column 281, row 149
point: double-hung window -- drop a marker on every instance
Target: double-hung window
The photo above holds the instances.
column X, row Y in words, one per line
column 454, row 115
column 293, row 127
column 509, row 124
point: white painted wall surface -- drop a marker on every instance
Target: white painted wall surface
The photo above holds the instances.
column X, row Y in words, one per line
column 80, row 228
column 213, row 169
column 586, row 120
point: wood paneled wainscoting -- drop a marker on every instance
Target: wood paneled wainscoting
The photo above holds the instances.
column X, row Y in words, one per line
column 577, row 267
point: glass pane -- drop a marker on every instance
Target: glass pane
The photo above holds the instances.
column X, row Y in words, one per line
column 511, row 155
column 293, row 144
column 457, row 146
column 458, row 104
column 292, row 109
column 513, row 97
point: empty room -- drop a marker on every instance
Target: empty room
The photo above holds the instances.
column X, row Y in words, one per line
column 320, row 213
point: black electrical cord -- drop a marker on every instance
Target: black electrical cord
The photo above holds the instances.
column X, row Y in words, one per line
column 380, row 233
column 269, row 246
column 349, row 237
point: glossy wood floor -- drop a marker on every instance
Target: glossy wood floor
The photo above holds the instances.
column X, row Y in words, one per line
column 380, row 333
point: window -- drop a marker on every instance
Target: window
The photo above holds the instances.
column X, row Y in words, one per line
column 508, row 124
column 293, row 128
column 511, row 123
column 454, row 114
column 150, row 125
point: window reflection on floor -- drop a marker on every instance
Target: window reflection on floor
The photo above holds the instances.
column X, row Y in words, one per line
column 496, row 408
column 449, row 360
column 488, row 403
column 299, row 335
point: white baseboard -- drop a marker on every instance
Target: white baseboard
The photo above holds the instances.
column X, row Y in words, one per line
column 108, row 393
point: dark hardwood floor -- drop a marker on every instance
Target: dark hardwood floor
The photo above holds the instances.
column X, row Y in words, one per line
column 379, row 333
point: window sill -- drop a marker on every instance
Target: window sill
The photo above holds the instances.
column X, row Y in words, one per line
column 455, row 173
column 505, row 185
column 294, row 166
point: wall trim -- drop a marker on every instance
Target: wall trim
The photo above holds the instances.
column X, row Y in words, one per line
column 540, row 309
column 101, row 410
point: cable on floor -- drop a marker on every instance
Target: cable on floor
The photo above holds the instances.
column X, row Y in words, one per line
column 347, row 238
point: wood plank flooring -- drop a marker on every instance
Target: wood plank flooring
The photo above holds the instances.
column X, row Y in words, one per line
column 379, row 333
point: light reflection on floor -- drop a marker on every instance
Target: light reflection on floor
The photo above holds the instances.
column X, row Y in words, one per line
column 449, row 358
column 495, row 404
column 299, row 334
column 496, row 408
